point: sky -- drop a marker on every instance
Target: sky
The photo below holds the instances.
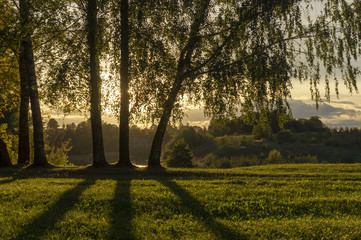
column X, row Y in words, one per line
column 341, row 111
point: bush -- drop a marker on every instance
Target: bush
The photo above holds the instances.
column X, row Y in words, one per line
column 213, row 162
column 262, row 130
column 285, row 135
column 180, row 155
column 275, row 156
column 304, row 159
column 57, row 153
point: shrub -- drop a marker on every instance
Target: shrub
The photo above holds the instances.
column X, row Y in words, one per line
column 57, row 153
column 275, row 156
column 213, row 162
column 244, row 161
column 262, row 130
column 180, row 155
column 285, row 135
column 225, row 140
column 304, row 159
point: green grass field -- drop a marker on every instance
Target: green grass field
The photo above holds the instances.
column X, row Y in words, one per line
column 265, row 202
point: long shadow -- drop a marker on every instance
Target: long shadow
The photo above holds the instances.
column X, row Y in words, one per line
column 46, row 221
column 121, row 214
column 6, row 181
column 198, row 211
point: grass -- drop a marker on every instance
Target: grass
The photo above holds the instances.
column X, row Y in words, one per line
column 263, row 202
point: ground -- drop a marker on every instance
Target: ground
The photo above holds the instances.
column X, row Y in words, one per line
column 265, row 202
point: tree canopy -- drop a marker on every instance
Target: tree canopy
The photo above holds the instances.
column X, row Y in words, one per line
column 229, row 57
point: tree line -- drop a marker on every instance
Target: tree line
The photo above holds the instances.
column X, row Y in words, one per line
column 222, row 137
column 229, row 56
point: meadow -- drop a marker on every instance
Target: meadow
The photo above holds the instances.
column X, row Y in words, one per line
column 305, row 201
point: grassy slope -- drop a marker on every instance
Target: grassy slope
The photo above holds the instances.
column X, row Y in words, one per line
column 267, row 202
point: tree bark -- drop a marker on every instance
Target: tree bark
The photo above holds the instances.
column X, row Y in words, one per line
column 184, row 62
column 28, row 55
column 95, row 87
column 24, row 146
column 156, row 149
column 124, row 156
column 4, row 155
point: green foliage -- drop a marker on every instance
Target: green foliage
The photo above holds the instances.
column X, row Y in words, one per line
column 304, row 159
column 212, row 161
column 11, row 142
column 180, row 155
column 196, row 137
column 52, row 123
column 285, row 135
column 221, row 127
column 58, row 156
column 275, row 156
column 56, row 147
column 262, row 131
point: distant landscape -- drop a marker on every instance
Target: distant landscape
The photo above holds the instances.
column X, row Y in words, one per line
column 224, row 144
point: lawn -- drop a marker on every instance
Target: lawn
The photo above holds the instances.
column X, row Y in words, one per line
column 265, row 202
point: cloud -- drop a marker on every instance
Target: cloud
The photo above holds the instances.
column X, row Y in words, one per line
column 301, row 109
column 332, row 116
column 195, row 115
column 353, row 123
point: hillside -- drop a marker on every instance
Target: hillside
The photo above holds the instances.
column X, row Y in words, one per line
column 264, row 202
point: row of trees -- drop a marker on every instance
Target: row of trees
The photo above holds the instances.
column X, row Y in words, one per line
column 238, row 125
column 167, row 54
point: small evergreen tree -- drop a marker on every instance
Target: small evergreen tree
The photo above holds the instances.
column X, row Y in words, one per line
column 180, row 155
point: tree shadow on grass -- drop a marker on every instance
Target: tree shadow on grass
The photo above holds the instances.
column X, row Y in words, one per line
column 6, row 181
column 121, row 214
column 192, row 205
column 47, row 220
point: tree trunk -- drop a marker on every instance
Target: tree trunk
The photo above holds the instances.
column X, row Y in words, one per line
column 124, row 157
column 95, row 87
column 4, row 155
column 184, row 62
column 27, row 54
column 24, row 146
column 156, row 149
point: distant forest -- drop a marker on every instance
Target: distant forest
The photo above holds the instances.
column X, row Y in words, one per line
column 225, row 143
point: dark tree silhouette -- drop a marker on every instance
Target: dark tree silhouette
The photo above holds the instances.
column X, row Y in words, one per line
column 52, row 123
column 95, row 86
column 124, row 157
column 27, row 55
column 24, row 145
